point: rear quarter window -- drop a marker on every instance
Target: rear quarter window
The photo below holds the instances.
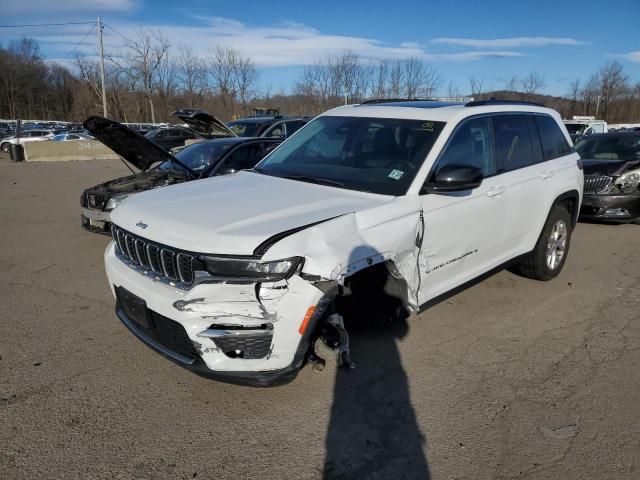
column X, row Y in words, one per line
column 554, row 143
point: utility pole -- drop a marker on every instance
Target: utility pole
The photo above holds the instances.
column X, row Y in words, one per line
column 101, row 49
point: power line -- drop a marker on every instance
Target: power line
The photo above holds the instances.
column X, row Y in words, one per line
column 118, row 33
column 80, row 42
column 46, row 24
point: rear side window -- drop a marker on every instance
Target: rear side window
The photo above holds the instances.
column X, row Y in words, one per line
column 513, row 142
column 554, row 143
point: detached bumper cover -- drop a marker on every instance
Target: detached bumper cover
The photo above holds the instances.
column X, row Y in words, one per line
column 194, row 316
column 269, row 378
column 611, row 208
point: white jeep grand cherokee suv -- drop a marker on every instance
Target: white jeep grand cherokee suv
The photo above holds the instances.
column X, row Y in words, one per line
column 391, row 203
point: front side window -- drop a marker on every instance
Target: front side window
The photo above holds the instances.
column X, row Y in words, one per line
column 513, row 142
column 554, row 143
column 378, row 155
column 471, row 145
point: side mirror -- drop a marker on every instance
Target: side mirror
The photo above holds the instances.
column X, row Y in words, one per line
column 454, row 178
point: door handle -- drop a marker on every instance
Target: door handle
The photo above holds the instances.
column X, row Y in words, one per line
column 495, row 191
column 546, row 175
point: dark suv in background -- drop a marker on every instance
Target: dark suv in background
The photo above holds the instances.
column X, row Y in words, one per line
column 277, row 127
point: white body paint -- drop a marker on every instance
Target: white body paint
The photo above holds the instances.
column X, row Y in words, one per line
column 234, row 214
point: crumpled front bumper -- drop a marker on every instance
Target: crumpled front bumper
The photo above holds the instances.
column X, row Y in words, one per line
column 611, row 208
column 284, row 307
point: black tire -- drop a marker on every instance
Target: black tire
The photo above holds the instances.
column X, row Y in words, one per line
column 539, row 264
column 5, row 147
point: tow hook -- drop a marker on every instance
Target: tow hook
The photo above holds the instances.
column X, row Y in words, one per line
column 333, row 344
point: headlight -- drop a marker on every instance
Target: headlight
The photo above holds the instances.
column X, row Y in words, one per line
column 113, row 202
column 246, row 269
column 629, row 182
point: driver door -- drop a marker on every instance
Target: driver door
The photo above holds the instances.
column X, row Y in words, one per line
column 464, row 231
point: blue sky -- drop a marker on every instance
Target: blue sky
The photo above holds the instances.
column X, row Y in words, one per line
column 492, row 40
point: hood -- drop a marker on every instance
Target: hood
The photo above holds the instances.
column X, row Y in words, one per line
column 608, row 167
column 234, row 214
column 203, row 123
column 133, row 147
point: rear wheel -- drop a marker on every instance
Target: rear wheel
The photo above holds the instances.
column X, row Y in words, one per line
column 547, row 258
column 5, row 147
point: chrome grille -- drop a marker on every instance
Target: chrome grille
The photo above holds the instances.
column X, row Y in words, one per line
column 150, row 257
column 597, row 183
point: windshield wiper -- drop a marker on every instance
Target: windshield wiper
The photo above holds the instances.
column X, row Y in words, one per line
column 319, row 181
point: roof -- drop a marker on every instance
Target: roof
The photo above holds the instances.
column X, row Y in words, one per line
column 435, row 110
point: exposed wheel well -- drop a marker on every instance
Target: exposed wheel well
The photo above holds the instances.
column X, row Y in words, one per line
column 378, row 293
column 570, row 201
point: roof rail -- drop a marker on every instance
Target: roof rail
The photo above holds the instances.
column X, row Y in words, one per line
column 497, row 101
column 373, row 101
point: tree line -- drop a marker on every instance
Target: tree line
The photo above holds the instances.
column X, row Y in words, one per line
column 148, row 78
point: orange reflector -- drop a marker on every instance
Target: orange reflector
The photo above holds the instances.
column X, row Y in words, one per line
column 305, row 320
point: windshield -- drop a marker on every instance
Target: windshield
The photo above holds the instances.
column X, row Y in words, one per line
column 610, row 148
column 244, row 129
column 378, row 155
column 199, row 156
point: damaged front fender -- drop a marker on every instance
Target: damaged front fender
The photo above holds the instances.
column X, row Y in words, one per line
column 341, row 247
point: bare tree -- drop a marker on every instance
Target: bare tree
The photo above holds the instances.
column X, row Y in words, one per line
column 589, row 94
column 511, row 84
column 532, row 84
column 245, row 76
column 476, row 86
column 191, row 73
column 612, row 84
column 396, row 79
column 381, row 79
column 574, row 92
column 145, row 55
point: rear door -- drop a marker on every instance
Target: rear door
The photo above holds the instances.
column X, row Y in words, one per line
column 523, row 179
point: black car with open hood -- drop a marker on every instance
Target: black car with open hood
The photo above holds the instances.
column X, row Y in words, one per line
column 611, row 163
column 158, row 168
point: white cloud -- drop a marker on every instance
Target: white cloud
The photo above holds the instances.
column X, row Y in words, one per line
column 291, row 43
column 10, row 7
column 514, row 42
column 283, row 44
column 631, row 56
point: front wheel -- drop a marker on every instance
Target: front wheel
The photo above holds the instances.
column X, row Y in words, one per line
column 5, row 147
column 547, row 258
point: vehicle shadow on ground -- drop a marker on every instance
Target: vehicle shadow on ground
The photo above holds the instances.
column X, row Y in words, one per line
column 373, row 431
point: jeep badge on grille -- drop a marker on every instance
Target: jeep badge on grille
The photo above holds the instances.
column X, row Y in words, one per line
column 141, row 224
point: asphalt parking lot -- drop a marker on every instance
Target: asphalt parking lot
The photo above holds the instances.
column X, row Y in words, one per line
column 511, row 378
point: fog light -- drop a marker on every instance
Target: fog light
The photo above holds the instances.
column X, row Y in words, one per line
column 617, row 212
